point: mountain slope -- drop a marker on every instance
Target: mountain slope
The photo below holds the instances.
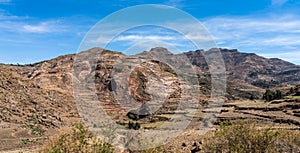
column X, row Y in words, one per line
column 251, row 68
column 249, row 74
column 28, row 111
column 40, row 94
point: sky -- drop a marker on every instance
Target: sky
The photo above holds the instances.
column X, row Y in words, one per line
column 35, row 30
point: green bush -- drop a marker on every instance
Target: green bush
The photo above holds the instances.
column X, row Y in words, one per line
column 272, row 95
column 78, row 140
column 134, row 126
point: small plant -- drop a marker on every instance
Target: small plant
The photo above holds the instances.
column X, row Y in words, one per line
column 134, row 126
column 27, row 141
column 37, row 130
column 121, row 123
column 133, row 115
column 154, row 150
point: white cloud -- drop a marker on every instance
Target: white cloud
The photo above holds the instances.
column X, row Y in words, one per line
column 6, row 16
column 283, row 40
column 292, row 56
column 44, row 27
column 279, row 2
column 255, row 24
column 12, row 23
column 175, row 3
column 278, row 31
column 23, row 27
column 142, row 38
column 204, row 38
column 277, row 35
column 5, row 1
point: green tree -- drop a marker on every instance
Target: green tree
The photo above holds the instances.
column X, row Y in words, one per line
column 271, row 95
column 278, row 95
column 268, row 95
column 292, row 90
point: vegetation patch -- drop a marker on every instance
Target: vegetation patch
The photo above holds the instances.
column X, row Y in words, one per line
column 247, row 137
column 77, row 140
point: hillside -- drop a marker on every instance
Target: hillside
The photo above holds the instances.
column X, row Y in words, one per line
column 28, row 111
column 249, row 74
column 37, row 99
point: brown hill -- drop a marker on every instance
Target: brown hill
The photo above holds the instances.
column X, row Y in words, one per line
column 39, row 96
column 247, row 73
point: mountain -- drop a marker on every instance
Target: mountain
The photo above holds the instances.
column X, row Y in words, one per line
column 39, row 97
column 245, row 71
column 251, row 68
column 249, row 74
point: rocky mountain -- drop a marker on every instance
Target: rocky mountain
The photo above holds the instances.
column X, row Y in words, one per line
column 249, row 74
column 251, row 68
column 40, row 96
column 246, row 72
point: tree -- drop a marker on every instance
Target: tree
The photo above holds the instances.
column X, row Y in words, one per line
column 292, row 90
column 271, row 95
column 278, row 95
column 268, row 95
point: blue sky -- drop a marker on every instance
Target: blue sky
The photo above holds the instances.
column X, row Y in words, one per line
column 34, row 30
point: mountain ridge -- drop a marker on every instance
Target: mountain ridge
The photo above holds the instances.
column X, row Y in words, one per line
column 47, row 86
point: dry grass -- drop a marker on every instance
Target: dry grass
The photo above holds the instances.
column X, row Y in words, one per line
column 241, row 137
column 247, row 137
column 76, row 140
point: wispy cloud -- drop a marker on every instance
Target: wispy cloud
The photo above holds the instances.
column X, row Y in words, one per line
column 271, row 30
column 141, row 37
column 146, row 35
column 6, row 16
column 288, row 56
column 275, row 34
column 39, row 28
column 279, row 2
column 25, row 24
column 44, row 27
column 5, row 1
column 175, row 3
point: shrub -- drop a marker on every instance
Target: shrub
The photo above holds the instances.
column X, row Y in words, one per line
column 244, row 138
column 78, row 140
column 271, row 95
column 134, row 126
column 240, row 138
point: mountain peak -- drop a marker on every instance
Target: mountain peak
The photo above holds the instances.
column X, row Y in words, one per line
column 160, row 50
